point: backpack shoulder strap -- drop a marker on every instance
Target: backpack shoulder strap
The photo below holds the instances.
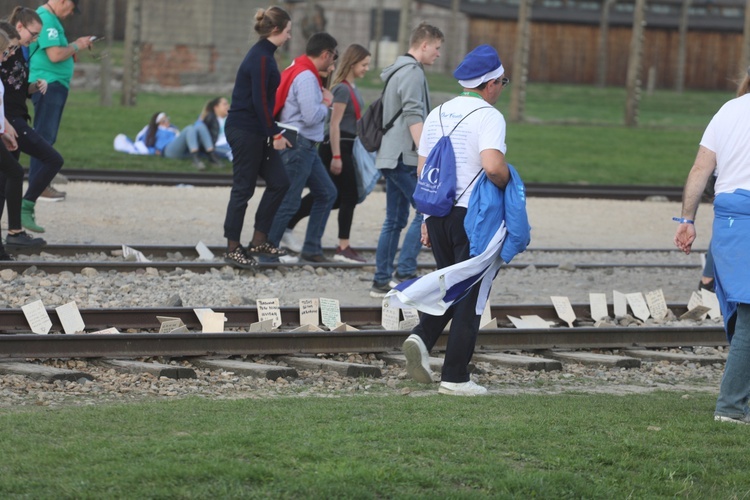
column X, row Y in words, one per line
column 465, row 117
column 390, row 123
column 480, row 170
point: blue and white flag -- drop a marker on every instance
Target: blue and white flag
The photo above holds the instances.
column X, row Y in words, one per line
column 436, row 292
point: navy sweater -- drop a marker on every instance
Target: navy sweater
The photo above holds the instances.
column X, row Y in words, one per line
column 254, row 91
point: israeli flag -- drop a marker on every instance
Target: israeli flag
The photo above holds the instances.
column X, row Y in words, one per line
column 436, row 292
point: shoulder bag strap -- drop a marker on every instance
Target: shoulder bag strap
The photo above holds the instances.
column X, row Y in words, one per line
column 355, row 102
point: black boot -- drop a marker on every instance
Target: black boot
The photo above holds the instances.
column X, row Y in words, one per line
column 213, row 158
column 197, row 163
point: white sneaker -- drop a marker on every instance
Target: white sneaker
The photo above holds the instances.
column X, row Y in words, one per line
column 462, row 389
column 417, row 359
column 738, row 420
column 288, row 259
column 288, row 240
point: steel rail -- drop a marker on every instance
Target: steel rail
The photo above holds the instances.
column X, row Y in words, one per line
column 533, row 189
column 163, row 250
column 13, row 320
column 226, row 344
column 54, row 267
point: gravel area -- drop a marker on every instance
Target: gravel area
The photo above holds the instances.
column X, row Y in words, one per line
column 148, row 215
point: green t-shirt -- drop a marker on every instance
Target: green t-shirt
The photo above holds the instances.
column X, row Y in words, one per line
column 52, row 35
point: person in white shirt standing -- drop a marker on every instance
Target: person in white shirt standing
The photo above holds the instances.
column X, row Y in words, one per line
column 479, row 145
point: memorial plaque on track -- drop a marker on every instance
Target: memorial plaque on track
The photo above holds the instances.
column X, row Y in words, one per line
column 638, row 305
column 269, row 309
column 619, row 303
column 203, row 252
column 657, row 305
column 70, row 317
column 411, row 318
column 37, row 317
column 168, row 324
column 564, row 309
column 390, row 316
column 528, row 322
column 710, row 300
column 309, row 312
column 133, row 254
column 330, row 312
column 695, row 300
column 697, row 313
column 598, row 302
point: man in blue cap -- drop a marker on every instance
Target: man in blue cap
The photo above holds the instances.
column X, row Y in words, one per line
column 479, row 145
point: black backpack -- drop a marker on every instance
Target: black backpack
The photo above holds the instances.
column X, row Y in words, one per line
column 370, row 128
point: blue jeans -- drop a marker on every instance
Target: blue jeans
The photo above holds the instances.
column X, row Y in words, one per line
column 304, row 168
column 399, row 189
column 191, row 139
column 735, row 384
column 48, row 110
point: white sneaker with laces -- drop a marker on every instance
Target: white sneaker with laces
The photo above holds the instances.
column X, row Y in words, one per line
column 462, row 389
column 288, row 240
column 417, row 359
column 738, row 420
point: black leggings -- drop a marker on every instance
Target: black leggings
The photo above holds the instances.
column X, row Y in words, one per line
column 34, row 145
column 11, row 176
column 346, row 185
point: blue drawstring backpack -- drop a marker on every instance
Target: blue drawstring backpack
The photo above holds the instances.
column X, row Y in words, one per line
column 435, row 193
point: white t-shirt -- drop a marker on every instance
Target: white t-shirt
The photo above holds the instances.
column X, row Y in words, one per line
column 728, row 135
column 484, row 129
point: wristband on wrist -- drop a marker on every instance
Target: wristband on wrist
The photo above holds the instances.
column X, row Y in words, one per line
column 683, row 220
column 277, row 137
column 336, row 157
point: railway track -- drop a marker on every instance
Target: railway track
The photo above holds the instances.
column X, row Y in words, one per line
column 534, row 189
column 370, row 338
column 74, row 258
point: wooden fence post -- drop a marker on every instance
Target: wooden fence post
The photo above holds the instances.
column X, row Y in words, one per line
column 520, row 62
column 601, row 58
column 633, row 83
column 131, row 55
column 105, row 68
column 679, row 84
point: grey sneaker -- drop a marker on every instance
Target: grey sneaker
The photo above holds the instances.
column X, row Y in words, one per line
column 379, row 291
column 461, row 389
column 417, row 359
column 52, row 194
column 398, row 279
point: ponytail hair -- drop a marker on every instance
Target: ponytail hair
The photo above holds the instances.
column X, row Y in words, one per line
column 270, row 20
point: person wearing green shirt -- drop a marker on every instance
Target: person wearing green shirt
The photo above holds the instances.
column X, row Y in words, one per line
column 52, row 58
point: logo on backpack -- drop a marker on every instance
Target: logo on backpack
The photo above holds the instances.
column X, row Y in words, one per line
column 435, row 193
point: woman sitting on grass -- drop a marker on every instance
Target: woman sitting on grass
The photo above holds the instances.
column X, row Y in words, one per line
column 214, row 116
column 164, row 139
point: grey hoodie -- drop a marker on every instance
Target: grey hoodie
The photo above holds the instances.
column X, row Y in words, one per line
column 407, row 90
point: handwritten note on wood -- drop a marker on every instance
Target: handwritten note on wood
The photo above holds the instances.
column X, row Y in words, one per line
column 269, row 309
column 37, row 317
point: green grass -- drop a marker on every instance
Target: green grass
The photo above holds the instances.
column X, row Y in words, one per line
column 568, row 446
column 572, row 133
